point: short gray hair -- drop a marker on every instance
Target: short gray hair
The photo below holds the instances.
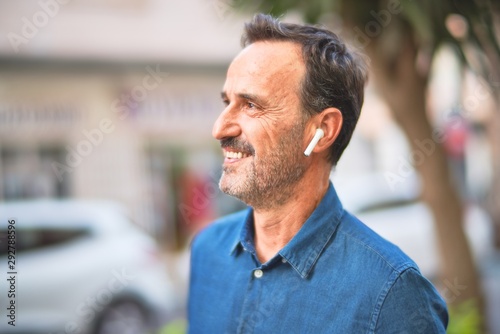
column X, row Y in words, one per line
column 335, row 76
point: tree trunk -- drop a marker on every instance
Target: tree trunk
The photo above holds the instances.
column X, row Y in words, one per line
column 404, row 90
column 493, row 199
column 493, row 126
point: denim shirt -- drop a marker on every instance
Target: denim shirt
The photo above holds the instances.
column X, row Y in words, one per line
column 334, row 276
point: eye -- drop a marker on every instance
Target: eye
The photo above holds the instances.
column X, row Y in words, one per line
column 251, row 105
column 225, row 102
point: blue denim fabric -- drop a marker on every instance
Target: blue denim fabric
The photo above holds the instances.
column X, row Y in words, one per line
column 335, row 276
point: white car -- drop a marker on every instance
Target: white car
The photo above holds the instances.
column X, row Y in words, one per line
column 80, row 267
column 398, row 215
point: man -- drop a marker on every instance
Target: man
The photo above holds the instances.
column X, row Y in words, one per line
column 295, row 261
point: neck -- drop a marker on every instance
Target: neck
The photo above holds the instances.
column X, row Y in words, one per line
column 275, row 227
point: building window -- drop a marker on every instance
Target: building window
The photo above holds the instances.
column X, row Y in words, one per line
column 28, row 173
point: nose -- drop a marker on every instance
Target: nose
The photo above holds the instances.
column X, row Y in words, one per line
column 226, row 125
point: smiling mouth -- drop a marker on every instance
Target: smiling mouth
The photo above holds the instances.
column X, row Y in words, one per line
column 233, row 156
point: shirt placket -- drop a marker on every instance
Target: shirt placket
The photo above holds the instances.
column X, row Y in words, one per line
column 251, row 312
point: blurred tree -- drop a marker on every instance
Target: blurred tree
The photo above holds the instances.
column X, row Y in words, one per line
column 401, row 37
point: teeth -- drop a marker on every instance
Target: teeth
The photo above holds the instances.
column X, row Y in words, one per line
column 234, row 155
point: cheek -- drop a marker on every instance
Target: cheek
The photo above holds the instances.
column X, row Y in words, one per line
column 273, row 131
column 267, row 135
column 260, row 134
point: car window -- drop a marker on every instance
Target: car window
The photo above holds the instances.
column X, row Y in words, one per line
column 387, row 205
column 34, row 239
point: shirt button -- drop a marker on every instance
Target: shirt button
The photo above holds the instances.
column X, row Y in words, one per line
column 283, row 260
column 258, row 273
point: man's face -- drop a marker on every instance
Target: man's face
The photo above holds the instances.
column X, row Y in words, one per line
column 262, row 126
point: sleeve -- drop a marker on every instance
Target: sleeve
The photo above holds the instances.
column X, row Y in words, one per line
column 192, row 308
column 412, row 305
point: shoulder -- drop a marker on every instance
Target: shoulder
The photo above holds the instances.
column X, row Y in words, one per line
column 401, row 290
column 222, row 233
column 410, row 304
column 372, row 246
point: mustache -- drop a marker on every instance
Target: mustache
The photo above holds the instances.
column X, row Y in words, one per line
column 237, row 145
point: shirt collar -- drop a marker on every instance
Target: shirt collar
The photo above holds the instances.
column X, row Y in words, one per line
column 245, row 239
column 303, row 251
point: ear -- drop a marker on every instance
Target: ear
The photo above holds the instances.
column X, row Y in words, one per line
column 330, row 121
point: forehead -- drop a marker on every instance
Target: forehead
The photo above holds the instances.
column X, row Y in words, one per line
column 274, row 65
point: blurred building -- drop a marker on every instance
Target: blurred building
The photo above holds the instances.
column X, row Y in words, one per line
column 116, row 99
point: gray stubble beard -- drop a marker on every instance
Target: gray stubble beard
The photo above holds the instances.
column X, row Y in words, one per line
column 272, row 184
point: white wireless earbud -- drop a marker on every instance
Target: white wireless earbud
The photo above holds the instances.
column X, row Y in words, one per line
column 317, row 136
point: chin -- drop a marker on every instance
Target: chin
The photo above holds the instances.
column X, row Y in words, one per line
column 233, row 188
